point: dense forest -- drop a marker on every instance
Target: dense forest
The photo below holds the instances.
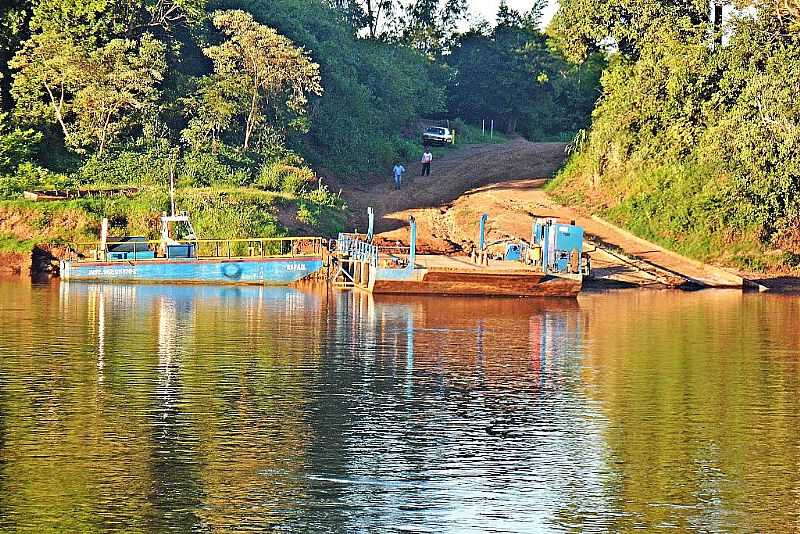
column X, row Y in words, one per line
column 243, row 98
column 695, row 140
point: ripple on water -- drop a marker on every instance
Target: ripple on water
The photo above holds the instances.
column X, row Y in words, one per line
column 214, row 409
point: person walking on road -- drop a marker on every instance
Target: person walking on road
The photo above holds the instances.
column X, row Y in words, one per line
column 427, row 158
column 398, row 174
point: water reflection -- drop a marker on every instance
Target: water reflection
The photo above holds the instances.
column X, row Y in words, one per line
column 157, row 408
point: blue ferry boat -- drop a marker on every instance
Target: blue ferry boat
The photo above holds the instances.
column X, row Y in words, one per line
column 269, row 261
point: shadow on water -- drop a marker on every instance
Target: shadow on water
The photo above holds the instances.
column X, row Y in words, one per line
column 135, row 407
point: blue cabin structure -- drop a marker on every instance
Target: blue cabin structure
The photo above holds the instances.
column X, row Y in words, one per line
column 561, row 245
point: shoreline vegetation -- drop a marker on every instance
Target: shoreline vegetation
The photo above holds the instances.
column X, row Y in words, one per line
column 254, row 106
column 694, row 143
column 683, row 125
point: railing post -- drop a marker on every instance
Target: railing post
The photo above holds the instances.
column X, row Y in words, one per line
column 371, row 215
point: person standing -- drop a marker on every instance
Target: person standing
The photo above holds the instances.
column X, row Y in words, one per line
column 398, row 174
column 427, row 158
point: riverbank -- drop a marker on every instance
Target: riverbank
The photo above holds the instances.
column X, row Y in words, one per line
column 28, row 230
column 508, row 182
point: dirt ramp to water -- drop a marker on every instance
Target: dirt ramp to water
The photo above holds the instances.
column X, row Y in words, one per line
column 459, row 171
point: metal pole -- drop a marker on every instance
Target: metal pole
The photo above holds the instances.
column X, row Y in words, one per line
column 172, row 189
column 103, row 237
column 483, row 127
column 371, row 214
column 491, row 135
column 482, row 234
column 412, row 255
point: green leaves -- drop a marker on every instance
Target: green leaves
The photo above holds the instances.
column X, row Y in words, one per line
column 16, row 145
column 93, row 95
column 260, row 79
column 512, row 76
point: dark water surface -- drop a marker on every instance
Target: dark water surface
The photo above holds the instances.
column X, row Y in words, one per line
column 155, row 408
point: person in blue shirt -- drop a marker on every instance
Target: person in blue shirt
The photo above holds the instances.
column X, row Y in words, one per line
column 398, row 174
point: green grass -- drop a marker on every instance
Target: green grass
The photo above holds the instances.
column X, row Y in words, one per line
column 471, row 135
column 681, row 206
column 13, row 245
column 216, row 212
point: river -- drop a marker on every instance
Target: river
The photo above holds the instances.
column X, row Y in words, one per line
column 159, row 408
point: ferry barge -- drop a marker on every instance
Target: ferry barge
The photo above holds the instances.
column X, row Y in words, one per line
column 273, row 261
column 552, row 264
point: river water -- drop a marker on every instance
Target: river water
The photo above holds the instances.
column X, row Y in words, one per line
column 158, row 408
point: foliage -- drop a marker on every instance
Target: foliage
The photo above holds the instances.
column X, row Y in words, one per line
column 694, row 144
column 257, row 73
column 229, row 96
column 16, row 145
column 94, row 96
column 511, row 76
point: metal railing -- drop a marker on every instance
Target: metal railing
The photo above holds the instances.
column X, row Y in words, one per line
column 273, row 247
column 351, row 246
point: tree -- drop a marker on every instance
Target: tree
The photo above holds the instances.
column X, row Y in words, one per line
column 583, row 26
column 258, row 74
column 430, row 25
column 92, row 96
column 51, row 69
column 367, row 14
column 121, row 88
column 14, row 15
column 95, row 22
column 16, row 145
column 512, row 77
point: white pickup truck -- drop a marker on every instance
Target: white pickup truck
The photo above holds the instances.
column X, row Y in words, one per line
column 436, row 135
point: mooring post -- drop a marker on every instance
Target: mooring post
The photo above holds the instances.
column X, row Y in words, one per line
column 412, row 255
column 104, row 239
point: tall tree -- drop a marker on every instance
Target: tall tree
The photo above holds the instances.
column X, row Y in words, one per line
column 582, row 26
column 260, row 75
column 512, row 77
column 51, row 69
column 430, row 25
column 92, row 95
column 120, row 91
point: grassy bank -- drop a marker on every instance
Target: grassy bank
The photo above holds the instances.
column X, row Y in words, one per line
column 685, row 207
column 217, row 213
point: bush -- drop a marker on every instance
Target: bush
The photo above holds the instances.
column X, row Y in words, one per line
column 127, row 167
column 280, row 176
column 30, row 176
column 225, row 167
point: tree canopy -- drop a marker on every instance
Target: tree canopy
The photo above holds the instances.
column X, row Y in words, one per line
column 240, row 86
column 695, row 138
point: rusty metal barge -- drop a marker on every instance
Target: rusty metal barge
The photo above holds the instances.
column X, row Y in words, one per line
column 551, row 264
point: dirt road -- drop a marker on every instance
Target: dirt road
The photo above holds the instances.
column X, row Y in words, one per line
column 506, row 182
column 459, row 171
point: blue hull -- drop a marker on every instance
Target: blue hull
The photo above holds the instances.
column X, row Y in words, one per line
column 266, row 271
